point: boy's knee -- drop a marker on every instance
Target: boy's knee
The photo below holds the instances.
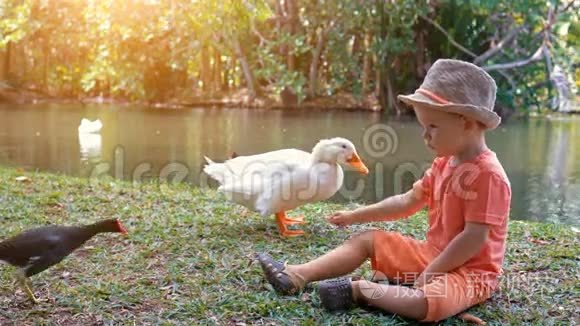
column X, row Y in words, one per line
column 365, row 239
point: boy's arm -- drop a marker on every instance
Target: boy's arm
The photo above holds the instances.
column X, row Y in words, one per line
column 389, row 209
column 464, row 246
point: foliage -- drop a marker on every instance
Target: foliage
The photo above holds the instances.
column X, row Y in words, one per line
column 156, row 50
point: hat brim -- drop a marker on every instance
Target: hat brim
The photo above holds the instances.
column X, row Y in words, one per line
column 487, row 117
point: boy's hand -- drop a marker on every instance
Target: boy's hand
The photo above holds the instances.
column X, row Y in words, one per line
column 423, row 279
column 426, row 277
column 340, row 218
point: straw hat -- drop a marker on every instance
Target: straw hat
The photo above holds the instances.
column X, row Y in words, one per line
column 458, row 87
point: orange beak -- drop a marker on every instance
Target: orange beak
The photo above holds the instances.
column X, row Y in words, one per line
column 356, row 163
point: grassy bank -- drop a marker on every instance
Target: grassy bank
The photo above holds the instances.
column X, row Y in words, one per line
column 188, row 260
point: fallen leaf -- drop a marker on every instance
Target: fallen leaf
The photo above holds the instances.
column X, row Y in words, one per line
column 22, row 179
column 58, row 205
column 469, row 318
column 538, row 241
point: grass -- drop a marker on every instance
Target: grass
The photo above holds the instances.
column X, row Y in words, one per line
column 188, row 260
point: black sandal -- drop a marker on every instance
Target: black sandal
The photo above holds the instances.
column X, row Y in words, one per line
column 275, row 273
column 336, row 294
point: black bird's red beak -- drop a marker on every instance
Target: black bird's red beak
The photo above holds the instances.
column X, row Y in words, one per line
column 121, row 228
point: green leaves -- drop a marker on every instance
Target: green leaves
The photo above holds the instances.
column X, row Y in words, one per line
column 15, row 16
column 153, row 49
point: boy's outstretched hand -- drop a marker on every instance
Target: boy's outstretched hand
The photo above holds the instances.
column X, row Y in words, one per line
column 341, row 218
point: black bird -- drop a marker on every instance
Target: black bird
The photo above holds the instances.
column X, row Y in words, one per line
column 36, row 250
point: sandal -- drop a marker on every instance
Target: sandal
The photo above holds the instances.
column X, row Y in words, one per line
column 336, row 294
column 283, row 281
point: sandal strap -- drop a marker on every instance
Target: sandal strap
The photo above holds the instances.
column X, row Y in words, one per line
column 296, row 278
column 283, row 280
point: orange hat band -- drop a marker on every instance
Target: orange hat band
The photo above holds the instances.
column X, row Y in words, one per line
column 433, row 96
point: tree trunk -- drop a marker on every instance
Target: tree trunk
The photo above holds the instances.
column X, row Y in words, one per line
column 420, row 53
column 45, row 64
column 217, row 70
column 355, row 45
column 226, row 78
column 2, row 66
column 378, row 70
column 233, row 75
column 250, row 82
column 366, row 64
column 279, row 18
column 391, row 98
column 320, row 40
column 292, row 10
column 382, row 61
column 205, row 68
column 7, row 60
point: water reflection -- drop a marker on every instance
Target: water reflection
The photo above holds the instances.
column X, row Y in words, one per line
column 90, row 140
column 541, row 157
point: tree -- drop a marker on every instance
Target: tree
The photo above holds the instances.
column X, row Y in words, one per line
column 162, row 50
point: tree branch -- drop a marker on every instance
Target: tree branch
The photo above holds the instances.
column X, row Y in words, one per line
column 547, row 57
column 262, row 38
column 8, row 33
column 565, row 8
column 511, row 35
column 537, row 56
column 552, row 20
column 509, row 79
column 451, row 40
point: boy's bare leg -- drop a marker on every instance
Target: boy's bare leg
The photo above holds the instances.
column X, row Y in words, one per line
column 400, row 300
column 340, row 261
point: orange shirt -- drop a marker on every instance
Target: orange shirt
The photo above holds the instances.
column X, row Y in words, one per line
column 474, row 191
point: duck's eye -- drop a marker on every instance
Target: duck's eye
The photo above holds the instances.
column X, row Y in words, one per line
column 343, row 146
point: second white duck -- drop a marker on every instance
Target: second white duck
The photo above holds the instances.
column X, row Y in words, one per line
column 88, row 126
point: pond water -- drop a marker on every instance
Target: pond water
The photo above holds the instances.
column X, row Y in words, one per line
column 540, row 156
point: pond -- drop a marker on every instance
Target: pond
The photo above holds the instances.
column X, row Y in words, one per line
column 540, row 156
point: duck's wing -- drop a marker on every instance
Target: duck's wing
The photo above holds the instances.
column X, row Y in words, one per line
column 245, row 179
column 263, row 186
column 268, row 161
column 261, row 164
column 297, row 185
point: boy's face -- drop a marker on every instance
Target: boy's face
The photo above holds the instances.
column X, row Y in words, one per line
column 444, row 133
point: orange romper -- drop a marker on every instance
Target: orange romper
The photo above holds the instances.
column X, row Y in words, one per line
column 474, row 191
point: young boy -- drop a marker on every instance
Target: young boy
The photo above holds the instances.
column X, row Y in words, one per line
column 468, row 197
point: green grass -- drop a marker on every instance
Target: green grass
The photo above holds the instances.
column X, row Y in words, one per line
column 188, row 260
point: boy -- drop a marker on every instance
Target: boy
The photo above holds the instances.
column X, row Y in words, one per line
column 468, row 197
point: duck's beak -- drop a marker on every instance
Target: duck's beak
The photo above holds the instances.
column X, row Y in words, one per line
column 356, row 163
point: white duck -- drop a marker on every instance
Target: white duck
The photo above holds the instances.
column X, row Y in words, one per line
column 88, row 126
column 90, row 145
column 278, row 181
